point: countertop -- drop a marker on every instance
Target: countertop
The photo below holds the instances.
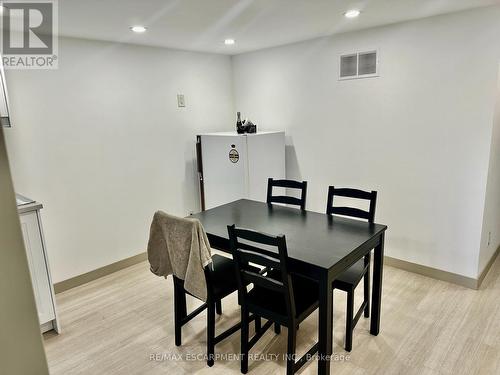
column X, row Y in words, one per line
column 25, row 204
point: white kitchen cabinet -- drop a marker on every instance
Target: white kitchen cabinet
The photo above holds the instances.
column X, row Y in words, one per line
column 31, row 225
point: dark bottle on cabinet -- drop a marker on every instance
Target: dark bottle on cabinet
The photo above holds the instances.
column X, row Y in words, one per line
column 239, row 125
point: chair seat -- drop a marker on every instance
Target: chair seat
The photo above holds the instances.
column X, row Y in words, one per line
column 222, row 277
column 352, row 276
column 306, row 294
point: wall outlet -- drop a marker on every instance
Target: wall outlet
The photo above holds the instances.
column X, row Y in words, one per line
column 181, row 102
column 190, row 213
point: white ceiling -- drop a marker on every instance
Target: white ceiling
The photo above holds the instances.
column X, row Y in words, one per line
column 202, row 25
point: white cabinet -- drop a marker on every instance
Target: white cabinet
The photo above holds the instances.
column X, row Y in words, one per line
column 29, row 215
column 233, row 166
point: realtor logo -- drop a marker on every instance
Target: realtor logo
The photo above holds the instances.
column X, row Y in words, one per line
column 29, row 34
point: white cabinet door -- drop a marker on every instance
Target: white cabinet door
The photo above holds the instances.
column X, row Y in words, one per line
column 266, row 158
column 38, row 266
column 225, row 171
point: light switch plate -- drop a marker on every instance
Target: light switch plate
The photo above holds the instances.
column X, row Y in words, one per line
column 180, row 100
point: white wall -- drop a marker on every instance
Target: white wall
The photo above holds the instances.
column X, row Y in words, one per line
column 101, row 143
column 490, row 239
column 419, row 134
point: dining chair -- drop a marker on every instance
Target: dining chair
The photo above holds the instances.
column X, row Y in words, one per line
column 278, row 296
column 349, row 280
column 301, row 202
column 221, row 282
column 289, row 184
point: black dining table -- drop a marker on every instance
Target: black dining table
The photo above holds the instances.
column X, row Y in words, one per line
column 320, row 247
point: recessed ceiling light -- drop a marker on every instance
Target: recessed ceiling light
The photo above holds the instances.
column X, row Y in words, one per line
column 353, row 13
column 229, row 42
column 138, row 29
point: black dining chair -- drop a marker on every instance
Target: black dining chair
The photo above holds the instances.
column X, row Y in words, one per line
column 278, row 296
column 349, row 280
column 289, row 184
column 221, row 282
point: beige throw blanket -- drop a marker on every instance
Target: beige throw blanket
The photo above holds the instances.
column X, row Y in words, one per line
column 180, row 246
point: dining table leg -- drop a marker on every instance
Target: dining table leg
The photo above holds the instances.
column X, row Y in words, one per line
column 325, row 326
column 378, row 266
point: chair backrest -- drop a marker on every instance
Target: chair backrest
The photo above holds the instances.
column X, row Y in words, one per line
column 351, row 211
column 245, row 246
column 289, row 184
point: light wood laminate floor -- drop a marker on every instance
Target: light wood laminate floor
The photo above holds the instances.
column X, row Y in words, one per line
column 115, row 324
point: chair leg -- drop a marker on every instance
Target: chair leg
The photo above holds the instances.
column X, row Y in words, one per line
column 366, row 287
column 180, row 311
column 349, row 320
column 218, row 307
column 210, row 333
column 277, row 328
column 258, row 324
column 290, row 352
column 244, row 341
